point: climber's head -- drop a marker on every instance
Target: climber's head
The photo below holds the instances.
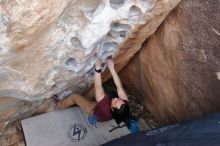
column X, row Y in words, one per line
column 117, row 102
column 120, row 110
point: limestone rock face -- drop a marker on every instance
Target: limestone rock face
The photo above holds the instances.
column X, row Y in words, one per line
column 50, row 47
column 176, row 72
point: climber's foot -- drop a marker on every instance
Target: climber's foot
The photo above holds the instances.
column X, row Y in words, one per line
column 55, row 98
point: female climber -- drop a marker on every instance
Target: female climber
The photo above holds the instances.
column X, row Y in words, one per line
column 106, row 107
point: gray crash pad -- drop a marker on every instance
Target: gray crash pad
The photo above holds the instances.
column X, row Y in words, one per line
column 69, row 127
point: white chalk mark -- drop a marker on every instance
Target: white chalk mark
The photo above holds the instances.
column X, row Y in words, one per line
column 216, row 32
column 218, row 75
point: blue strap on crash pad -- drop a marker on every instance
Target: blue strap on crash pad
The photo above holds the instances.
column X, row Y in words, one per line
column 92, row 119
column 133, row 126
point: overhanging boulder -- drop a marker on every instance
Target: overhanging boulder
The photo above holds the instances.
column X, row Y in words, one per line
column 49, row 47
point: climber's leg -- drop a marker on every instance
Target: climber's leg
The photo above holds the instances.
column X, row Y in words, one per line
column 84, row 103
column 67, row 102
column 87, row 105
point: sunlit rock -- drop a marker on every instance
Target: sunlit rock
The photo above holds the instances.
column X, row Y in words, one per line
column 50, row 47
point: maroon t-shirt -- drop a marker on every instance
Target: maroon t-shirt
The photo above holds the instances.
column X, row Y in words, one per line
column 103, row 110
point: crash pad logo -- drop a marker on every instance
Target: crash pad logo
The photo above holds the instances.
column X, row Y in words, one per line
column 77, row 132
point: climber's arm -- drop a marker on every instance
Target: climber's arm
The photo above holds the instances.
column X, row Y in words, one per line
column 120, row 90
column 99, row 92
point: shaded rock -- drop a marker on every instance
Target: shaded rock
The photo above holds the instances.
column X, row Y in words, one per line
column 176, row 71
